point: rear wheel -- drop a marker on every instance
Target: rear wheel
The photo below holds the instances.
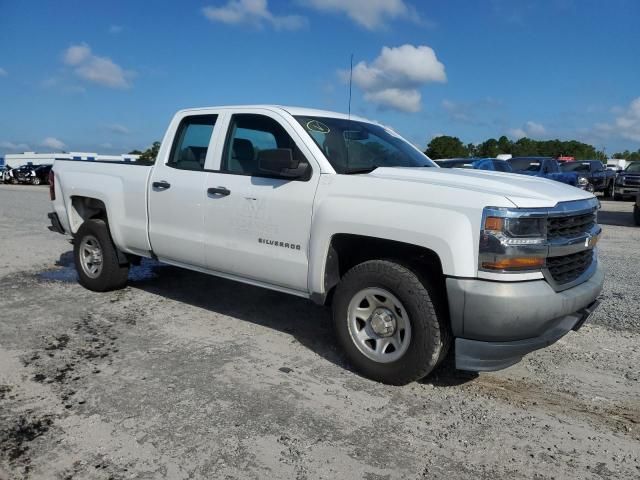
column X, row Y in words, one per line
column 36, row 181
column 385, row 320
column 96, row 258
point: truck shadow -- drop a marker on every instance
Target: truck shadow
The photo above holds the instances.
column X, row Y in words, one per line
column 306, row 322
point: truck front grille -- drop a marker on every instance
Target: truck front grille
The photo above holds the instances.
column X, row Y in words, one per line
column 631, row 181
column 567, row 268
column 570, row 226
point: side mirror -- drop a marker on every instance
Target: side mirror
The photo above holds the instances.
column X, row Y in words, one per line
column 280, row 162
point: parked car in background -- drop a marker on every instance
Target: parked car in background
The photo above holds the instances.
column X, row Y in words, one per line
column 492, row 164
column 548, row 167
column 21, row 174
column 627, row 182
column 33, row 174
column 40, row 175
column 603, row 180
column 5, row 174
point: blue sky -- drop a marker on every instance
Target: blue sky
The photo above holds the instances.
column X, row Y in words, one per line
column 107, row 76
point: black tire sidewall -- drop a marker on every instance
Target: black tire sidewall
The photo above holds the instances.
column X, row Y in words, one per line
column 113, row 275
column 425, row 347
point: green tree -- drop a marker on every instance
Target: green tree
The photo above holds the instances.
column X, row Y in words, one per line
column 504, row 145
column 488, row 148
column 627, row 155
column 472, row 149
column 446, row 146
column 150, row 154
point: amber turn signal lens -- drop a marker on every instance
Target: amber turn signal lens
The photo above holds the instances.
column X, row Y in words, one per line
column 517, row 263
column 493, row 224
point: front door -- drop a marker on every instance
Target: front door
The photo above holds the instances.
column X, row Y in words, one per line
column 257, row 225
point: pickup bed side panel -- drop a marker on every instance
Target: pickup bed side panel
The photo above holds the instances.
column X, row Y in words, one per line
column 123, row 190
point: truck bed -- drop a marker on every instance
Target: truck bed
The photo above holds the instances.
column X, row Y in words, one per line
column 120, row 185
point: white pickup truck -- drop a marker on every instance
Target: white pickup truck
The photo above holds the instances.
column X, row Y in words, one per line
column 412, row 258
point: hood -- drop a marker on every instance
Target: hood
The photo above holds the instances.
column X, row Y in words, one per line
column 522, row 190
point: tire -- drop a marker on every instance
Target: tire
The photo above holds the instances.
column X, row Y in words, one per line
column 417, row 349
column 96, row 258
column 608, row 191
column 636, row 215
column 36, row 181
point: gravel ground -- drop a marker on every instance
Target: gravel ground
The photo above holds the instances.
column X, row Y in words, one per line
column 181, row 375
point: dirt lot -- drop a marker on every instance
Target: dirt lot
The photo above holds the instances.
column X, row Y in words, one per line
column 181, row 375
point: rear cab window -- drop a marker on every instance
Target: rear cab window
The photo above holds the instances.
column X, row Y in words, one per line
column 191, row 142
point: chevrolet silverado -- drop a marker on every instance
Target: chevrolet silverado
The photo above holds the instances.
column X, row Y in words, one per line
column 412, row 258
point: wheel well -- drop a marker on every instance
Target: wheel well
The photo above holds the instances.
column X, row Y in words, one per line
column 85, row 208
column 347, row 251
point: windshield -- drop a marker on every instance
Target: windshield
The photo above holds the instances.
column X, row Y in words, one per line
column 633, row 167
column 353, row 147
column 525, row 164
column 575, row 167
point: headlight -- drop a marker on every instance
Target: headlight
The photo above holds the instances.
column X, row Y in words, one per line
column 620, row 180
column 582, row 181
column 512, row 240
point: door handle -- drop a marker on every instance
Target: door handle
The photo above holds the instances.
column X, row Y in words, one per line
column 161, row 185
column 222, row 191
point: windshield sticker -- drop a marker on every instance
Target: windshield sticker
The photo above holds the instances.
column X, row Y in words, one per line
column 317, row 126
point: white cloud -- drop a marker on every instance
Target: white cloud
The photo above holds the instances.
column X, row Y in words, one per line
column 535, row 129
column 371, row 14
column 115, row 29
column 394, row 77
column 3, row 72
column 23, row 147
column 96, row 69
column 517, row 133
column 530, row 130
column 396, row 99
column 252, row 12
column 627, row 123
column 117, row 128
column 54, row 143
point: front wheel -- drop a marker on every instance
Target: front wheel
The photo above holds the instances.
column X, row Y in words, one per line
column 386, row 321
column 608, row 192
column 96, row 258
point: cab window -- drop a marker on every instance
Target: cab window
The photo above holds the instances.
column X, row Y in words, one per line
column 250, row 134
column 189, row 150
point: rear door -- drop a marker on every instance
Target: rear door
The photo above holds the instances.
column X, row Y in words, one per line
column 177, row 193
column 257, row 226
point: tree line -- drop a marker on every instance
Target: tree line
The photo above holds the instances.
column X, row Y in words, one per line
column 446, row 146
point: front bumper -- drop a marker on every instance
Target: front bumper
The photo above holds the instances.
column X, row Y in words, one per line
column 497, row 323
column 624, row 190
